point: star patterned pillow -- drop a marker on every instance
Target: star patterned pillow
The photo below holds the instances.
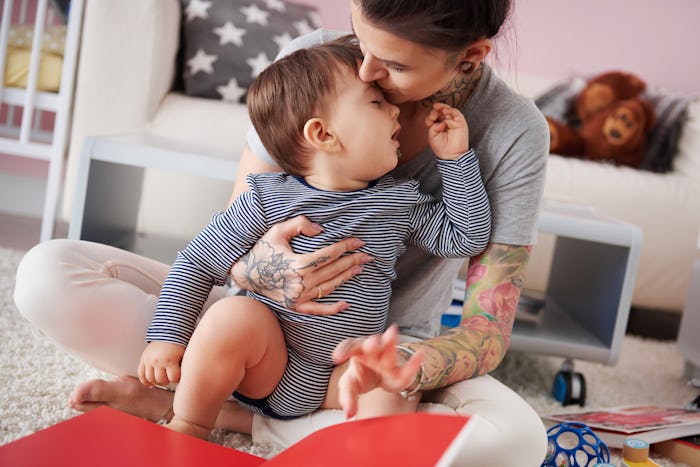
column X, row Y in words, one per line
column 227, row 43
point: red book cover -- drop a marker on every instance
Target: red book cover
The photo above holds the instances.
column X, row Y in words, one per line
column 109, row 438
column 416, row 439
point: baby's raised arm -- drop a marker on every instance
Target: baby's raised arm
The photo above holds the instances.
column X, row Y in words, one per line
column 448, row 133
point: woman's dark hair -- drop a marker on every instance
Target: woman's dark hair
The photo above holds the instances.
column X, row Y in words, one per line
column 440, row 24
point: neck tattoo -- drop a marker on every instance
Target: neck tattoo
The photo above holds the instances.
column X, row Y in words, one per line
column 458, row 92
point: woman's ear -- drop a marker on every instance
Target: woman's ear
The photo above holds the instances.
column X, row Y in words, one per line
column 476, row 52
column 318, row 135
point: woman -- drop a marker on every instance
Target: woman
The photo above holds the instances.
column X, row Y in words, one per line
column 418, row 52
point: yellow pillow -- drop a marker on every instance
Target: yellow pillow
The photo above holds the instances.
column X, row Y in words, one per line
column 17, row 70
column 53, row 40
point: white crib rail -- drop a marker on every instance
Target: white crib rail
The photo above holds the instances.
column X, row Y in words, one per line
column 61, row 124
column 28, row 112
column 4, row 32
column 31, row 100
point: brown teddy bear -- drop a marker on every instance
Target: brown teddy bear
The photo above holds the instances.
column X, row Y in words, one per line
column 606, row 89
column 564, row 139
column 618, row 134
column 614, row 122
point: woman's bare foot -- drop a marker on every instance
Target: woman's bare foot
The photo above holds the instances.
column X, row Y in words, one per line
column 189, row 428
column 126, row 394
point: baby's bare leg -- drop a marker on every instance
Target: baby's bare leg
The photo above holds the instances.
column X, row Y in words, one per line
column 129, row 395
column 378, row 402
column 238, row 345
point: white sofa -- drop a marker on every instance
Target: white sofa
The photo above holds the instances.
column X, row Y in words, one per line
column 124, row 81
column 666, row 207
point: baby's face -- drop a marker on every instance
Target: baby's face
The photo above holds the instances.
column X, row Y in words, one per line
column 367, row 126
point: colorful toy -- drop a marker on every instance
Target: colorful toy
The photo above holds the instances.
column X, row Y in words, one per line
column 569, row 386
column 635, row 453
column 574, row 445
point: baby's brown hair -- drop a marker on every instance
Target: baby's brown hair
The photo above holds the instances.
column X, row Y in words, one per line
column 293, row 90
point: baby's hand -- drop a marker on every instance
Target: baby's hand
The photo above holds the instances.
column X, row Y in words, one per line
column 160, row 364
column 448, row 133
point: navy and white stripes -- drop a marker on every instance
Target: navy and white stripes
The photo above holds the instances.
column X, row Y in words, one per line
column 386, row 215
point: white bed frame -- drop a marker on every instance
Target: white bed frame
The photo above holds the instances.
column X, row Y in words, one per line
column 27, row 140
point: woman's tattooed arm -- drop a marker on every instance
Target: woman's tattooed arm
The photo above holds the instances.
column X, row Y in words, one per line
column 478, row 344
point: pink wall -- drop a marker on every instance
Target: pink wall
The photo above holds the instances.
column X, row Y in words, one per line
column 335, row 14
column 656, row 39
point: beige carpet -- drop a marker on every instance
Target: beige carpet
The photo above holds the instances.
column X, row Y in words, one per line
column 36, row 377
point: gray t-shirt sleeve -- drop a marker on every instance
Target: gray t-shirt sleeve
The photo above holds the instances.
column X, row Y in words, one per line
column 515, row 190
column 511, row 137
column 319, row 36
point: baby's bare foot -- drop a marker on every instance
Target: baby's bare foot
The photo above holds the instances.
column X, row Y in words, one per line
column 126, row 394
column 189, row 428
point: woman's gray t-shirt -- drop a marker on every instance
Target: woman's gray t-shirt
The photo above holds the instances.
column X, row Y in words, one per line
column 511, row 139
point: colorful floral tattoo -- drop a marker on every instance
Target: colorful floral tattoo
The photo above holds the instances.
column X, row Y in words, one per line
column 478, row 344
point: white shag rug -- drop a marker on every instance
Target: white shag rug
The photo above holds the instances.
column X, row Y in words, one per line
column 36, row 376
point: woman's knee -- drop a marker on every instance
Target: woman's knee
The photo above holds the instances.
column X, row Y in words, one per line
column 508, row 430
column 40, row 278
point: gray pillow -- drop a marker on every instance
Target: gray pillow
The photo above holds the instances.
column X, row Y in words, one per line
column 671, row 114
column 226, row 43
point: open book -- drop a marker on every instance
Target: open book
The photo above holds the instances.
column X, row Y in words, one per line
column 651, row 423
column 109, row 438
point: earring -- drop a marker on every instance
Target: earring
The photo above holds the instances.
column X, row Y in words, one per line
column 466, row 67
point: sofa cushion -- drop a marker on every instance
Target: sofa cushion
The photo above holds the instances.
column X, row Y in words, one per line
column 671, row 117
column 670, row 108
column 226, row 43
column 216, row 126
column 687, row 161
column 558, row 101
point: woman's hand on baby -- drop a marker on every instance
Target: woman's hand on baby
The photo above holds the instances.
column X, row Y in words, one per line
column 271, row 268
column 448, row 133
column 160, row 364
column 373, row 362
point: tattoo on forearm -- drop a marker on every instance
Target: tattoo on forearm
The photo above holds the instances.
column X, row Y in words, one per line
column 478, row 345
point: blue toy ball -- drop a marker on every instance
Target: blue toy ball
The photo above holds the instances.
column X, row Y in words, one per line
column 574, row 445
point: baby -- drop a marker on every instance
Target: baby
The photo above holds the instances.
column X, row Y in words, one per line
column 335, row 137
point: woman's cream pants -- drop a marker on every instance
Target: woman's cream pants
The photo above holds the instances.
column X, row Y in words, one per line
column 96, row 301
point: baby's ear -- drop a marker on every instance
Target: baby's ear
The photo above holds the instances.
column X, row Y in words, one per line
column 318, row 135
